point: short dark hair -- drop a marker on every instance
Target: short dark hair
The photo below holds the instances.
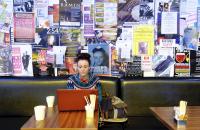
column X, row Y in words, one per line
column 84, row 56
column 98, row 48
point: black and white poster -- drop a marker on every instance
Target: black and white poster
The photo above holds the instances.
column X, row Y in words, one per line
column 5, row 61
column 195, row 63
column 23, row 6
column 100, row 58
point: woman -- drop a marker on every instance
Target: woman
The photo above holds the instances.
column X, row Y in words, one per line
column 84, row 79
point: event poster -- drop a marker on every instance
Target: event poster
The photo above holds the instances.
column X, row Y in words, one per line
column 24, row 27
column 195, row 63
column 88, row 20
column 143, row 42
column 59, row 52
column 100, row 58
column 190, row 40
column 133, row 69
column 22, row 60
column 70, row 12
column 53, row 12
column 165, row 33
column 5, row 61
column 6, row 15
column 43, row 61
column 41, row 12
column 4, row 38
column 146, row 63
column 70, row 36
column 128, row 11
column 23, row 5
column 169, row 19
column 71, row 65
column 182, row 63
column 105, row 14
column 146, row 11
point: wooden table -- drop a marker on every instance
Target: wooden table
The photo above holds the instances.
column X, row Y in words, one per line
column 166, row 116
column 54, row 120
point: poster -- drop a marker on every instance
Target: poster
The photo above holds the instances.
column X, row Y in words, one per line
column 22, row 60
column 163, row 32
column 100, row 58
column 143, row 42
column 88, row 20
column 128, row 11
column 71, row 65
column 146, row 11
column 70, row 12
column 41, row 11
column 6, row 15
column 190, row 39
column 105, row 14
column 162, row 65
column 169, row 19
column 133, row 69
column 182, row 63
column 59, row 52
column 24, row 27
column 6, row 67
column 70, row 36
column 23, row 5
column 42, row 62
column 53, row 13
column 195, row 63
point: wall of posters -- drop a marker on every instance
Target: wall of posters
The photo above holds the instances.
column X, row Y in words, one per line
column 127, row 30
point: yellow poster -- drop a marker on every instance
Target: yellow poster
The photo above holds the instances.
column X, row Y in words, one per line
column 143, row 40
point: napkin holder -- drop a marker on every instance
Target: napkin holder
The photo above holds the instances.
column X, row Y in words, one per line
column 180, row 115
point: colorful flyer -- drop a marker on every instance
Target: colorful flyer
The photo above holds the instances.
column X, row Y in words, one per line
column 105, row 14
column 143, row 40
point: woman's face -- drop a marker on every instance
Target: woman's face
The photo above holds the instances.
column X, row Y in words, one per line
column 98, row 58
column 83, row 68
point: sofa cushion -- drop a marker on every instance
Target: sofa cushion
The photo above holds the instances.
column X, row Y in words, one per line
column 110, row 85
column 140, row 94
column 20, row 95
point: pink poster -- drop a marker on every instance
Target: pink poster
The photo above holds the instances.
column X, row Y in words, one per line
column 24, row 30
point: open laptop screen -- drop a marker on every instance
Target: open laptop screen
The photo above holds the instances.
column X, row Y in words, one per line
column 69, row 100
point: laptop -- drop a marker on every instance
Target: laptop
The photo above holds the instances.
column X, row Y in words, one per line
column 72, row 100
